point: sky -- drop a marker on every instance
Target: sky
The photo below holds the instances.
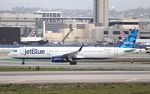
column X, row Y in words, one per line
column 72, row 4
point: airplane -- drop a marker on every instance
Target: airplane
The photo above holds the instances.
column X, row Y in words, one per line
column 72, row 54
column 33, row 39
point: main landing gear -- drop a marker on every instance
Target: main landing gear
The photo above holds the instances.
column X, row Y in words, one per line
column 71, row 61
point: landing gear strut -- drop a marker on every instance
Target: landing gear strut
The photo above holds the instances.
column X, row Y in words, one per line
column 23, row 61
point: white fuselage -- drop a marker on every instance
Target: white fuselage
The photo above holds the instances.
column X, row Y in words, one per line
column 86, row 52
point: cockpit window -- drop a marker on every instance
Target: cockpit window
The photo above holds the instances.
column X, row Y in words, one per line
column 15, row 50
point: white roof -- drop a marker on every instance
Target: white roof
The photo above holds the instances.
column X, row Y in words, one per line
column 28, row 39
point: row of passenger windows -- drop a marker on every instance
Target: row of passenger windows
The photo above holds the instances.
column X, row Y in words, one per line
column 125, row 32
column 144, row 32
column 116, row 32
column 51, row 15
column 76, row 50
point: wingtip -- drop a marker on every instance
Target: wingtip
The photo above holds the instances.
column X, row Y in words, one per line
column 81, row 47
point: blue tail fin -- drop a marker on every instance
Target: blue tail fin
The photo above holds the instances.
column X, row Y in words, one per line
column 129, row 41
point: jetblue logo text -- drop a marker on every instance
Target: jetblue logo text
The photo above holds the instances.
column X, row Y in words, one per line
column 35, row 51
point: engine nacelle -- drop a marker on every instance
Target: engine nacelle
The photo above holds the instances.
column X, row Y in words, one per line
column 59, row 59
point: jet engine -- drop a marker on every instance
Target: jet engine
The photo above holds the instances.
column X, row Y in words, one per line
column 59, row 59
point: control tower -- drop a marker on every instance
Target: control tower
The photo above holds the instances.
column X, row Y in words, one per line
column 101, row 9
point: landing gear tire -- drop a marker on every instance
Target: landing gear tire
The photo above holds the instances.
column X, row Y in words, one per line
column 73, row 63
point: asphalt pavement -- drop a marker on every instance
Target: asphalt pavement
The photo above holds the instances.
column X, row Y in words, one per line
column 74, row 77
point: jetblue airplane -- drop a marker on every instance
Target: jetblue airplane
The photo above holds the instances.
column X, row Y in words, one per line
column 72, row 54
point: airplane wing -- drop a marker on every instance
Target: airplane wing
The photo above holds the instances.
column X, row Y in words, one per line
column 73, row 54
column 67, row 57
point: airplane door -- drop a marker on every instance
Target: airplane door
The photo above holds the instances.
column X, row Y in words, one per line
column 115, row 51
column 22, row 51
column 48, row 52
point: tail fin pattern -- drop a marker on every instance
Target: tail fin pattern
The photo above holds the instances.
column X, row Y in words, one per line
column 33, row 33
column 129, row 41
column 122, row 35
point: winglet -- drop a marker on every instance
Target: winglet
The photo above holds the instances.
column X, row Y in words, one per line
column 81, row 48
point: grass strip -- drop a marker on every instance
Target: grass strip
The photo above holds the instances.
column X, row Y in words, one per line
column 103, row 88
column 37, row 68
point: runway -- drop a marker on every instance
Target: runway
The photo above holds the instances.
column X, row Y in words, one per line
column 78, row 76
column 74, row 77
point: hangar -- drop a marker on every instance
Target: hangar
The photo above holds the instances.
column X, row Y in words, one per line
column 9, row 35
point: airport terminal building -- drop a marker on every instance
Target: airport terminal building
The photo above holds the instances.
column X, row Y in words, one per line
column 54, row 26
column 84, row 29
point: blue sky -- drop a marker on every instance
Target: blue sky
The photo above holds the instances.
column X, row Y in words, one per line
column 72, row 4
